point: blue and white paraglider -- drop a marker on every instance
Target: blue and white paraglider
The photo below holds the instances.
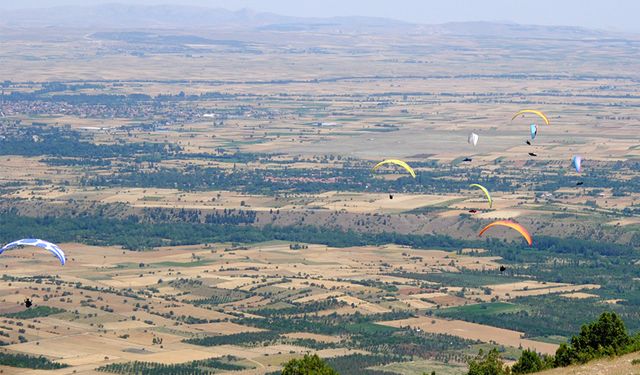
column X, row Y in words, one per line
column 53, row 248
column 534, row 131
column 577, row 163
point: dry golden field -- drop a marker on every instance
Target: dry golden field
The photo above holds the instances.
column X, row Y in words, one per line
column 99, row 320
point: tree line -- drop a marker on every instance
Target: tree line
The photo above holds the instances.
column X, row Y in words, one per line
column 61, row 143
column 202, row 367
column 27, row 361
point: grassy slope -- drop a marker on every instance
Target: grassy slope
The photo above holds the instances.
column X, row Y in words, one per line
column 618, row 366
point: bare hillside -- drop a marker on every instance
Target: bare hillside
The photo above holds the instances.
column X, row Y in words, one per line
column 618, row 366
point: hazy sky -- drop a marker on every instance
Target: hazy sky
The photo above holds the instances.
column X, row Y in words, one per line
column 620, row 15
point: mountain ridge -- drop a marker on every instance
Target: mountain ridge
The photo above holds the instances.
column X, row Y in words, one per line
column 137, row 17
column 160, row 16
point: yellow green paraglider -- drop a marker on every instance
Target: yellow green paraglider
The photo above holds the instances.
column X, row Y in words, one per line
column 485, row 191
column 396, row 162
column 535, row 112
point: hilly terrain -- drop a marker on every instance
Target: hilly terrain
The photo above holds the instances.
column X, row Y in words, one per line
column 208, row 174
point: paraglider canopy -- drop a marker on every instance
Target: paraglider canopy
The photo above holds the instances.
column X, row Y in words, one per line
column 473, row 139
column 396, row 162
column 534, row 131
column 577, row 163
column 510, row 224
column 485, row 191
column 535, row 112
column 54, row 249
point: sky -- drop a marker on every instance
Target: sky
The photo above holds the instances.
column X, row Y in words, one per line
column 618, row 15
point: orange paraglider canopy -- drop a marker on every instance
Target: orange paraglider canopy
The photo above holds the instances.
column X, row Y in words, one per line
column 512, row 225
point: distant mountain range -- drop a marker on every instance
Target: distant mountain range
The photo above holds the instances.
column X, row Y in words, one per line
column 140, row 17
column 165, row 17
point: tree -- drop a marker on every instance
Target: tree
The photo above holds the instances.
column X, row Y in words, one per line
column 489, row 364
column 309, row 365
column 564, row 356
column 606, row 336
column 529, row 362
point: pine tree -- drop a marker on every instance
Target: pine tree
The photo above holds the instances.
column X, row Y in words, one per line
column 489, row 364
column 309, row 365
column 529, row 362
